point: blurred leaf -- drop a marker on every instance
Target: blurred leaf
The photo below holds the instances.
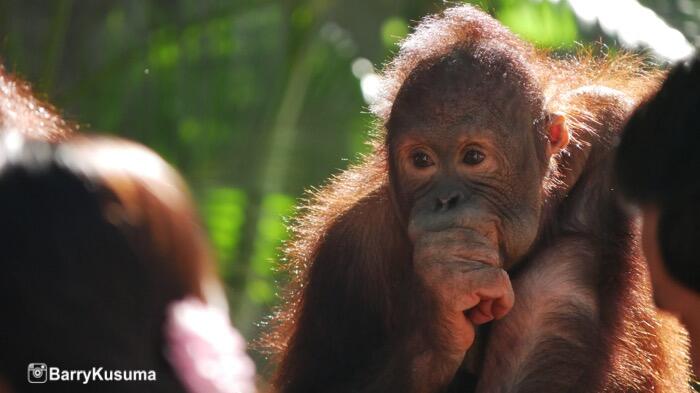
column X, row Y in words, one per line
column 224, row 210
column 360, row 128
column 394, row 29
column 271, row 231
column 164, row 54
column 260, row 291
column 302, row 17
column 544, row 23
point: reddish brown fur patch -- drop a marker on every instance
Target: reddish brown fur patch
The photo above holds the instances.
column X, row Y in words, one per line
column 22, row 112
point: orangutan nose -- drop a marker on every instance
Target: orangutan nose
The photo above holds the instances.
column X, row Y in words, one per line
column 449, row 201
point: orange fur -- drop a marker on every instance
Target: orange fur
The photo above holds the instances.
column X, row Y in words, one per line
column 22, row 112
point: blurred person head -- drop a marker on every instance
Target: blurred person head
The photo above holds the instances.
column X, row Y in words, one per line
column 658, row 168
column 104, row 264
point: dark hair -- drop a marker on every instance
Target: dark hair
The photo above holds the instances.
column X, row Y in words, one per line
column 97, row 237
column 658, row 164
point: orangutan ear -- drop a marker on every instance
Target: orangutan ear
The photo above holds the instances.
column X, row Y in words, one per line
column 557, row 133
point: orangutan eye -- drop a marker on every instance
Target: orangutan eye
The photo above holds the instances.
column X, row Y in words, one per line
column 421, row 159
column 473, row 157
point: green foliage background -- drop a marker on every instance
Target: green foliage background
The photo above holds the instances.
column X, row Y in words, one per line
column 253, row 100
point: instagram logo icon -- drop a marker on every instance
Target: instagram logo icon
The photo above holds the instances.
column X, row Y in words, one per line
column 37, row 372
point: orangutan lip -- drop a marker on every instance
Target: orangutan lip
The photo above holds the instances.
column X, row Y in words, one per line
column 476, row 248
column 471, row 259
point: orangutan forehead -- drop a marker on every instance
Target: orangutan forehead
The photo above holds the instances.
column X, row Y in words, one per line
column 483, row 87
